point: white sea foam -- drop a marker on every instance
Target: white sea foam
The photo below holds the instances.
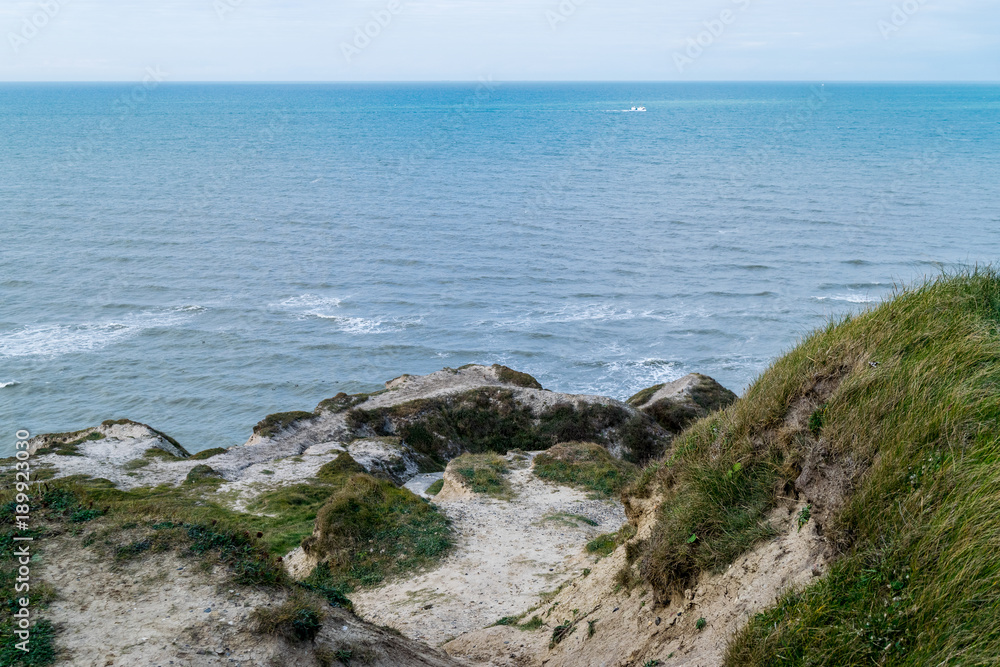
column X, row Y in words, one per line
column 850, row 298
column 8, row 384
column 311, row 305
column 566, row 314
column 57, row 339
column 357, row 325
column 624, row 377
column 326, row 308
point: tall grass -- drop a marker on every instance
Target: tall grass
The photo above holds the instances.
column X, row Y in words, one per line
column 909, row 395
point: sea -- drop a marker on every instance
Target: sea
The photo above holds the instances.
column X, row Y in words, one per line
column 196, row 256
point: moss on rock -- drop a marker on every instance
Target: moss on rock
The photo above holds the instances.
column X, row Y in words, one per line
column 516, row 378
column 493, row 420
column 274, row 424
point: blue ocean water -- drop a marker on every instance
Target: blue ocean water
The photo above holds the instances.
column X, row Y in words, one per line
column 197, row 256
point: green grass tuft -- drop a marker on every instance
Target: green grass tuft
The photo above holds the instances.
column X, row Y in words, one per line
column 297, row 619
column 371, row 530
column 585, row 465
column 483, row 473
column 339, row 469
column 435, row 488
column 603, row 545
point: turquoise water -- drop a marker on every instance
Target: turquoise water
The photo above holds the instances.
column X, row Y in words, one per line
column 197, row 256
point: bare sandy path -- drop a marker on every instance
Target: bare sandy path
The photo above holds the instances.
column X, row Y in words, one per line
column 507, row 553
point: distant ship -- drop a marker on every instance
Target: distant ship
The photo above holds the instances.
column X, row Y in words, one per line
column 637, row 109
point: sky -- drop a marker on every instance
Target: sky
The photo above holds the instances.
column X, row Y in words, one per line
column 502, row 40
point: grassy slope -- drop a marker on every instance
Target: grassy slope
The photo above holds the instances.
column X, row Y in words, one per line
column 908, row 395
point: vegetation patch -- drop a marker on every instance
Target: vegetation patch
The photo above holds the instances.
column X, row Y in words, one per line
column 483, row 473
column 492, row 420
column 274, row 424
column 642, row 397
column 569, row 520
column 435, row 488
column 201, row 474
column 910, row 399
column 584, row 465
column 72, row 447
column 342, row 402
column 677, row 413
column 208, row 453
column 339, row 469
column 603, row 545
column 297, row 619
column 510, row 376
column 371, row 530
column 515, row 622
column 561, row 632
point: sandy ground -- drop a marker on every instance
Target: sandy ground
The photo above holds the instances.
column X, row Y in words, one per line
column 631, row 629
column 507, row 553
column 165, row 610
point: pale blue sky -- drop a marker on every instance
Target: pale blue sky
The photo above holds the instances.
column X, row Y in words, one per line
column 306, row 40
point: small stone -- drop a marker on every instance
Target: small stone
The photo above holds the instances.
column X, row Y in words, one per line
column 657, row 620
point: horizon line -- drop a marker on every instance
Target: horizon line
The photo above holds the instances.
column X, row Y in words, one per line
column 508, row 81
